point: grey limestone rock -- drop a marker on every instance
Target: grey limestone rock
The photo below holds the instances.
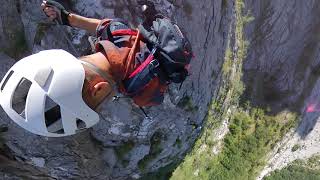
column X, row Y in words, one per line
column 124, row 144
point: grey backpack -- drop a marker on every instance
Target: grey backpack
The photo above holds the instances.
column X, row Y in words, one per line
column 162, row 60
column 174, row 49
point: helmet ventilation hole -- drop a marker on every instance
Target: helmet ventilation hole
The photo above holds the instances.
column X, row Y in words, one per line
column 53, row 117
column 6, row 80
column 20, row 96
column 44, row 76
column 81, row 124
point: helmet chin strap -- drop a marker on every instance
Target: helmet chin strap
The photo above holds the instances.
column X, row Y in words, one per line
column 106, row 77
column 103, row 74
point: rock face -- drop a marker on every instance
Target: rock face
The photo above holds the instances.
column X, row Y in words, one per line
column 12, row 35
column 124, row 145
column 282, row 65
column 280, row 71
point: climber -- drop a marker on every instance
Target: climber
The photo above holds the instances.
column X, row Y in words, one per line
column 54, row 94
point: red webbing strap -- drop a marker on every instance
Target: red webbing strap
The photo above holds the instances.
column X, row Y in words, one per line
column 131, row 57
column 142, row 66
column 123, row 32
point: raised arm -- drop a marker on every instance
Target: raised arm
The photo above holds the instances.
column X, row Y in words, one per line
column 89, row 24
column 55, row 11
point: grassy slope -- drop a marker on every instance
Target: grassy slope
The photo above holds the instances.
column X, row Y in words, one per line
column 252, row 133
column 308, row 170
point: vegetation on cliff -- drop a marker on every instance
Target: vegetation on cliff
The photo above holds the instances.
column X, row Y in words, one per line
column 298, row 169
column 252, row 133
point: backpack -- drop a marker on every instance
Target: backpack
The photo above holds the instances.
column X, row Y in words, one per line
column 164, row 59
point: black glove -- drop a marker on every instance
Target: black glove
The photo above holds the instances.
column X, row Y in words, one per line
column 61, row 11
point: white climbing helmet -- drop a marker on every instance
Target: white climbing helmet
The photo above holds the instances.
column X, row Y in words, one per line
column 43, row 94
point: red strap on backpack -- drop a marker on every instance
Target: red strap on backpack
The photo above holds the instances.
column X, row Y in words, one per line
column 144, row 64
column 124, row 32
